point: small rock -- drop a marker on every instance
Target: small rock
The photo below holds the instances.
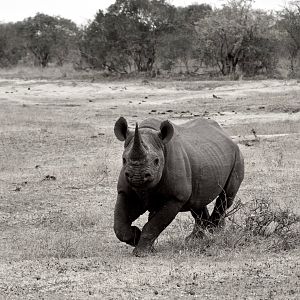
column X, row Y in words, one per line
column 49, row 177
column 248, row 144
column 270, row 228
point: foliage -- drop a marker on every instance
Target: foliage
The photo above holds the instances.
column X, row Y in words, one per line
column 178, row 44
column 12, row 47
column 49, row 38
column 260, row 46
column 289, row 22
column 93, row 45
column 147, row 35
column 237, row 36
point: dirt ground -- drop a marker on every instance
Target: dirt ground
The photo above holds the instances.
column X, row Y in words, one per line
column 59, row 164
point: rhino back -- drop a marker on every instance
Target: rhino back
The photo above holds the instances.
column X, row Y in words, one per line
column 210, row 155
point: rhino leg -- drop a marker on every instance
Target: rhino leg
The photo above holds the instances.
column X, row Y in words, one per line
column 157, row 222
column 201, row 217
column 226, row 197
column 127, row 211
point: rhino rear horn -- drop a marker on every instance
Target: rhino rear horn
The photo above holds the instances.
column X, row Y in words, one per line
column 121, row 129
column 166, row 131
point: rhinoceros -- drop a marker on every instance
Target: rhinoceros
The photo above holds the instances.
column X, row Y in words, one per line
column 169, row 169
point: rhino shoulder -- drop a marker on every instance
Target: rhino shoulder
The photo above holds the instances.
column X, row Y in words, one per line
column 151, row 123
column 177, row 175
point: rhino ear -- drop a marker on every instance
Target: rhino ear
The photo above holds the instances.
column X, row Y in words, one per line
column 121, row 129
column 166, row 131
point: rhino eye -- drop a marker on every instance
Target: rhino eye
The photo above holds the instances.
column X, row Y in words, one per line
column 124, row 161
column 156, row 161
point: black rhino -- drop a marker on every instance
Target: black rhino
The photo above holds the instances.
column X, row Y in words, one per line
column 168, row 169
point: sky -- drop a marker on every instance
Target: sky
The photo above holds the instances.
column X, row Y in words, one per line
column 82, row 11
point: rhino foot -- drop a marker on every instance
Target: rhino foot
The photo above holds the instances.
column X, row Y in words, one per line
column 143, row 252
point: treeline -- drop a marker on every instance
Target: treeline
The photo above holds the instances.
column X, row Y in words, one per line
column 154, row 36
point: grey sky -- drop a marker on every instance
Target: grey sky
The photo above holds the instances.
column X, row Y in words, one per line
column 81, row 11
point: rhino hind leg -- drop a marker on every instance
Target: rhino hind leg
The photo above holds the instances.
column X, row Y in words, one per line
column 202, row 221
column 226, row 197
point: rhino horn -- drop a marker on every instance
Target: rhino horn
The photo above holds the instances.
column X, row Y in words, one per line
column 138, row 151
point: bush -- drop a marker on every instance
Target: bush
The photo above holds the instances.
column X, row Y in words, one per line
column 260, row 225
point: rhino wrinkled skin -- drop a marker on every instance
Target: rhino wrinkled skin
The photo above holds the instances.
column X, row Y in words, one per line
column 168, row 169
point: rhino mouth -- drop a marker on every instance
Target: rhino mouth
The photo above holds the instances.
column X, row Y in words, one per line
column 139, row 181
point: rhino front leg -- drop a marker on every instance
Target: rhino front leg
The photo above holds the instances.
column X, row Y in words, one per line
column 155, row 225
column 127, row 211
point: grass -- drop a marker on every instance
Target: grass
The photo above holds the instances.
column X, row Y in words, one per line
column 58, row 180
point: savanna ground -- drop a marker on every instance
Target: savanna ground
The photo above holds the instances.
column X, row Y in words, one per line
column 59, row 164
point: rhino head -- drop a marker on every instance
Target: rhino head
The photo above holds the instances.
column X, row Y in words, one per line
column 143, row 156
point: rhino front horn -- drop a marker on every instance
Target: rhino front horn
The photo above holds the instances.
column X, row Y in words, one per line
column 138, row 151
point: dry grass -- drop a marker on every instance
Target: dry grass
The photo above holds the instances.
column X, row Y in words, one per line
column 58, row 174
column 28, row 73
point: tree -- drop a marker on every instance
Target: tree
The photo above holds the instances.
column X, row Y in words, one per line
column 144, row 22
column 49, row 38
column 12, row 46
column 179, row 42
column 289, row 21
column 93, row 44
column 235, row 34
column 127, row 35
column 260, row 47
